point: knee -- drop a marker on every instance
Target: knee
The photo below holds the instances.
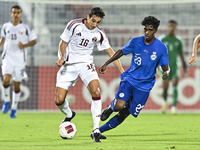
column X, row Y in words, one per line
column 16, row 88
column 118, row 106
column 95, row 93
column 6, row 81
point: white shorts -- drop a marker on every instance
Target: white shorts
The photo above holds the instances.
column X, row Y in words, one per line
column 68, row 74
column 18, row 72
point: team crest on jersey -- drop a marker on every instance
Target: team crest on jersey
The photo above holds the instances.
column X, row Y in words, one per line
column 20, row 32
column 94, row 39
column 153, row 56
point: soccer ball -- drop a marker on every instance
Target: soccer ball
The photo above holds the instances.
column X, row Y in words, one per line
column 67, row 130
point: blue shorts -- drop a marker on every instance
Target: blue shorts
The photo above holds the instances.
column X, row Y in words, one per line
column 135, row 99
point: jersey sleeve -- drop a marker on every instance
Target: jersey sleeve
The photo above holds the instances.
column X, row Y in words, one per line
column 128, row 48
column 3, row 31
column 103, row 44
column 30, row 33
column 67, row 33
column 164, row 60
column 32, row 36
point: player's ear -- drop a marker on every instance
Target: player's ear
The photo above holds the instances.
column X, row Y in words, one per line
column 155, row 30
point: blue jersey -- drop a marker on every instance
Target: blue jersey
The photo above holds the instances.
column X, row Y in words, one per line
column 141, row 73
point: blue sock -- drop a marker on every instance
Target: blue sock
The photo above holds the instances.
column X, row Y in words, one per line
column 112, row 123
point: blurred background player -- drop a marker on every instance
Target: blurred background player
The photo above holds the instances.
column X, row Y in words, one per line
column 136, row 82
column 75, row 59
column 195, row 48
column 175, row 48
column 15, row 36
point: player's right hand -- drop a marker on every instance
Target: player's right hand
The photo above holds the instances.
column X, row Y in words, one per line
column 60, row 62
column 102, row 69
column 165, row 75
column 192, row 59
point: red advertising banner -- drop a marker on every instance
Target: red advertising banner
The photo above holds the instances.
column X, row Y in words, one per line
column 80, row 99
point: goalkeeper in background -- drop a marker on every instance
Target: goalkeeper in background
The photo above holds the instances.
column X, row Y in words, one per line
column 175, row 48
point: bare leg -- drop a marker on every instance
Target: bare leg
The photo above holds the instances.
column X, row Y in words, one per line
column 165, row 90
column 60, row 101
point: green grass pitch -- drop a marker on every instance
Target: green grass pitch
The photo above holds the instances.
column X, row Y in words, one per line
column 33, row 131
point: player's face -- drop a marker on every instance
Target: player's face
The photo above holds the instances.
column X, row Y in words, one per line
column 93, row 21
column 171, row 28
column 149, row 33
column 16, row 14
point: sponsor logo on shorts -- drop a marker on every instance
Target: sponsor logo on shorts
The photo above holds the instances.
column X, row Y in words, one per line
column 121, row 95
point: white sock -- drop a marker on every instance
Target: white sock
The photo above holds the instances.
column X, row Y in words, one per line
column 64, row 108
column 6, row 92
column 96, row 112
column 15, row 100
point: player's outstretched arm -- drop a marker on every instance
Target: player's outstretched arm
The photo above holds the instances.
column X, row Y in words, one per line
column 31, row 43
column 166, row 71
column 2, row 40
column 195, row 48
column 116, row 56
column 117, row 63
column 184, row 64
column 62, row 46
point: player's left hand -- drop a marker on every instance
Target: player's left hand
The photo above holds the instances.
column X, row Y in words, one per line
column 102, row 69
column 192, row 59
column 21, row 46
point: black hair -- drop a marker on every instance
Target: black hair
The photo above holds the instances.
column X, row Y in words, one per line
column 173, row 21
column 17, row 7
column 151, row 20
column 97, row 11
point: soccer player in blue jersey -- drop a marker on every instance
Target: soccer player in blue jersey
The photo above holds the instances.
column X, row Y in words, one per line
column 136, row 82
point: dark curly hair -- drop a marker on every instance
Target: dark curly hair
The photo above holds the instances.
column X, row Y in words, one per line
column 151, row 20
column 97, row 11
column 17, row 7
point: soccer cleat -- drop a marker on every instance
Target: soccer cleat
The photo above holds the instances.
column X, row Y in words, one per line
column 5, row 107
column 106, row 113
column 101, row 136
column 69, row 119
column 96, row 135
column 13, row 114
column 164, row 108
column 173, row 110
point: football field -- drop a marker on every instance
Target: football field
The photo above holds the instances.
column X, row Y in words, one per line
column 32, row 131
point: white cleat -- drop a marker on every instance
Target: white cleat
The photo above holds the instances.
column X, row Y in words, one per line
column 164, row 108
column 173, row 110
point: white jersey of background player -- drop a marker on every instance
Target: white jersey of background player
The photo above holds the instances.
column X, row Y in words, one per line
column 15, row 36
column 75, row 51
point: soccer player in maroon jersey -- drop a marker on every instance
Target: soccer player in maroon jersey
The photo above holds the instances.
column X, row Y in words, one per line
column 75, row 59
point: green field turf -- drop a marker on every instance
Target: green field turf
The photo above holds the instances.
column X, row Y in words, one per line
column 32, row 131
